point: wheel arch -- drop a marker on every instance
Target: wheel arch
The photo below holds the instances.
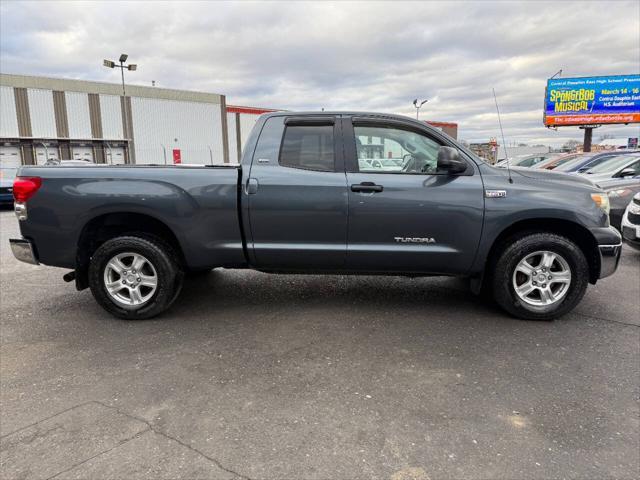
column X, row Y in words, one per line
column 103, row 227
column 575, row 232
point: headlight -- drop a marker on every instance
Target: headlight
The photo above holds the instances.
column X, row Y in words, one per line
column 602, row 201
column 634, row 208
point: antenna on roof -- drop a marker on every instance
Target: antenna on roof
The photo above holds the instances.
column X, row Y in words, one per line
column 502, row 133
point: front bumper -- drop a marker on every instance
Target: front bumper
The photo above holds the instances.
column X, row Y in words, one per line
column 23, row 250
column 630, row 232
column 609, row 247
column 609, row 259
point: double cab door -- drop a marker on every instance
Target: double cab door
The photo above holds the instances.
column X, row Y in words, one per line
column 342, row 193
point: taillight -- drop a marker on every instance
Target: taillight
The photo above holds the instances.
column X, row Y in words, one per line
column 25, row 187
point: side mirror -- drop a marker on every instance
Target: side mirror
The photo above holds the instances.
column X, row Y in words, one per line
column 627, row 172
column 449, row 160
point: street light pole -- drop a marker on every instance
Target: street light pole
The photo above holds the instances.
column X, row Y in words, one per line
column 124, row 92
column 418, row 105
column 131, row 67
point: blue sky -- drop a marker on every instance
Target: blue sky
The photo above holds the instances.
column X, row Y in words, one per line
column 350, row 55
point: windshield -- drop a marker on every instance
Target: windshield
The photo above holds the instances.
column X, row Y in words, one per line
column 531, row 160
column 8, row 173
column 612, row 164
column 565, row 160
column 572, row 163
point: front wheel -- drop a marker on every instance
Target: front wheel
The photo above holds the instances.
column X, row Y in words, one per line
column 134, row 277
column 540, row 276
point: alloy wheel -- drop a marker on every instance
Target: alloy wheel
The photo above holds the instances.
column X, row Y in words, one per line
column 542, row 278
column 130, row 279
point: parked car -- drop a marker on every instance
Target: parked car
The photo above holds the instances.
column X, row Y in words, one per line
column 526, row 160
column 631, row 223
column 620, row 192
column 302, row 201
column 585, row 161
column 76, row 162
column 384, row 164
column 7, row 175
column 556, row 161
column 619, row 166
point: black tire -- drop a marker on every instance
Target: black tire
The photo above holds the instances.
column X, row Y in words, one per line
column 519, row 248
column 166, row 269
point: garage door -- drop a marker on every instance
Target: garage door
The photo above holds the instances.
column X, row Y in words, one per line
column 82, row 153
column 10, row 157
column 114, row 155
column 42, row 154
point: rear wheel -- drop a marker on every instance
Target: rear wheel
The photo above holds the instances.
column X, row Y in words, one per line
column 134, row 277
column 540, row 276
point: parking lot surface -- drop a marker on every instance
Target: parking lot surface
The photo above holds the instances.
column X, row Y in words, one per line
column 259, row 376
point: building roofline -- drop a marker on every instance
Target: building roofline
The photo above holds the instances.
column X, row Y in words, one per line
column 85, row 86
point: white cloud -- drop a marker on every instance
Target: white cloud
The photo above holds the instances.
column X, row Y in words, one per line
column 365, row 56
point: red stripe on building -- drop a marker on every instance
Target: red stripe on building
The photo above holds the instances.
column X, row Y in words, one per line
column 249, row 110
column 442, row 124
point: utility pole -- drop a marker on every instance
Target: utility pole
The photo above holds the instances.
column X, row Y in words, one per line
column 131, row 67
column 588, row 136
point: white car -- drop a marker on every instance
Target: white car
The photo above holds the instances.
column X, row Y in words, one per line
column 384, row 164
column 631, row 223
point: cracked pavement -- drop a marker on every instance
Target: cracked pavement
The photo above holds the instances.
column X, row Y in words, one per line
column 268, row 377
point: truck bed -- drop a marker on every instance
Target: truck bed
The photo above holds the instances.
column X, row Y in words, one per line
column 198, row 203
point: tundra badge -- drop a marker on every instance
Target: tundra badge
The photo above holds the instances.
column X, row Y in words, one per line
column 414, row 240
column 495, row 193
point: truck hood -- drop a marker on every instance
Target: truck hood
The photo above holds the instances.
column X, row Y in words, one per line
column 548, row 176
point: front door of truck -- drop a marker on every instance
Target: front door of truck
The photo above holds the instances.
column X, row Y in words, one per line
column 297, row 195
column 404, row 214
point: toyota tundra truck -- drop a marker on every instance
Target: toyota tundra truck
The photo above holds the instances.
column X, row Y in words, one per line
column 307, row 198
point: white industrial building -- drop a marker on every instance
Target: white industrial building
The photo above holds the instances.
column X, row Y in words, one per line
column 52, row 118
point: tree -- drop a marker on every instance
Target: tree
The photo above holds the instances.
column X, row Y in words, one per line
column 571, row 144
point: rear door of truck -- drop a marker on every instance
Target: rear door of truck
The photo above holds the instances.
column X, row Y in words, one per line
column 297, row 195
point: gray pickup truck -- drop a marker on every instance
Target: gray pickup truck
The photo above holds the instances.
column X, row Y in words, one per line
column 309, row 198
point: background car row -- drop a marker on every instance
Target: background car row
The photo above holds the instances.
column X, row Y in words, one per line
column 616, row 172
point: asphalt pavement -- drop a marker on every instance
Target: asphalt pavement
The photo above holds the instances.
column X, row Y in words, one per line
column 259, row 376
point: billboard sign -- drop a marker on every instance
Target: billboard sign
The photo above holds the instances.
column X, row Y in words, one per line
column 592, row 100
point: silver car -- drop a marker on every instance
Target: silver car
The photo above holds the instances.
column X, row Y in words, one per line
column 619, row 166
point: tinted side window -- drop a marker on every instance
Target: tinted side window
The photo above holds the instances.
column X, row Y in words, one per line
column 309, row 147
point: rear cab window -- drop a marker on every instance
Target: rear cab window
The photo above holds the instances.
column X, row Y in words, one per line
column 308, row 147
